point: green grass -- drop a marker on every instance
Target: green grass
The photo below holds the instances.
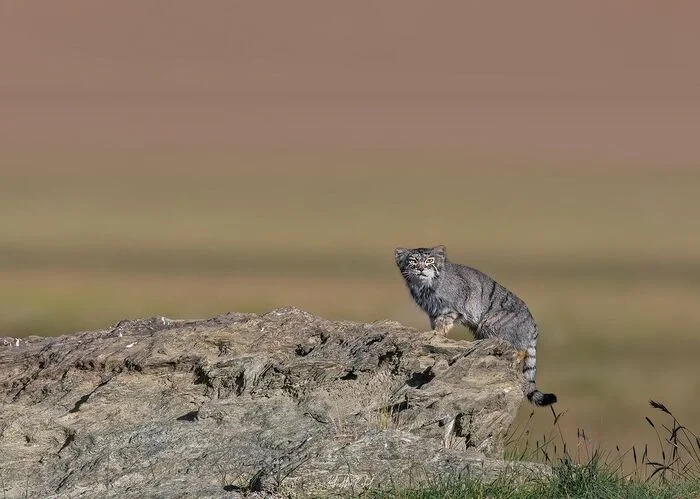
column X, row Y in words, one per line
column 581, row 482
column 584, row 470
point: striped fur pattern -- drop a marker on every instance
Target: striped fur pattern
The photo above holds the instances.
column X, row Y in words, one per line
column 450, row 293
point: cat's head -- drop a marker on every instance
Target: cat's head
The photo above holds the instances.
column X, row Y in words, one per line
column 420, row 265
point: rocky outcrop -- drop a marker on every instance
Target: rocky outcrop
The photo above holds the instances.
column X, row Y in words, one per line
column 282, row 403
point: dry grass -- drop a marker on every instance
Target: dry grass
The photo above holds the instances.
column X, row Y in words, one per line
column 605, row 252
column 667, row 468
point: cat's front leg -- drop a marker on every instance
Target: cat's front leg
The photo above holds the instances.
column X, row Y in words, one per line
column 442, row 324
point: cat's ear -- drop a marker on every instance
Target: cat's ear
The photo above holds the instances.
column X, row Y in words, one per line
column 399, row 254
column 440, row 250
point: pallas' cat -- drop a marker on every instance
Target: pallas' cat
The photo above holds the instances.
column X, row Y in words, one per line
column 451, row 293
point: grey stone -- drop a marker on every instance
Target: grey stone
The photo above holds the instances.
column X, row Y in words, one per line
column 284, row 403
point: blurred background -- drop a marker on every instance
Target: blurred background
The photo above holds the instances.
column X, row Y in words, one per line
column 167, row 158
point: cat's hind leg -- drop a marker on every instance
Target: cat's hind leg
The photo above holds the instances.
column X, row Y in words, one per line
column 519, row 357
column 519, row 337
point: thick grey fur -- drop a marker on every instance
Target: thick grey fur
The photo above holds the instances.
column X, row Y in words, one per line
column 451, row 293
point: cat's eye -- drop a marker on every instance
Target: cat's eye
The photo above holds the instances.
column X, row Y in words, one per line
column 429, row 260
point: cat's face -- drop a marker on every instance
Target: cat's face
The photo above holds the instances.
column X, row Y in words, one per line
column 420, row 265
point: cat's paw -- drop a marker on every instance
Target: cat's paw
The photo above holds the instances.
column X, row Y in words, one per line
column 432, row 333
column 441, row 332
column 435, row 338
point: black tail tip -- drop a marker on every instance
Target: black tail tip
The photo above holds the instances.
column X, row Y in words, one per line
column 540, row 399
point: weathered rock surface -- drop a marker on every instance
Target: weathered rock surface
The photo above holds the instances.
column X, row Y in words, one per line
column 279, row 403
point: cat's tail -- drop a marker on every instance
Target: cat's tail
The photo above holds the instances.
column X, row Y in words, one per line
column 539, row 398
column 535, row 396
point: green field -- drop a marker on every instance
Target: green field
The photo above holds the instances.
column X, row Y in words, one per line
column 604, row 251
